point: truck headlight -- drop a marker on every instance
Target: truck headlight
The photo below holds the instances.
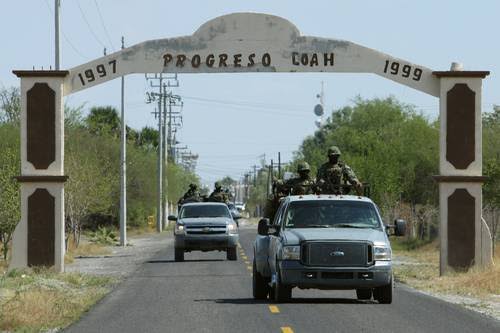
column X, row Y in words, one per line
column 179, row 229
column 232, row 228
column 382, row 253
column 290, row 253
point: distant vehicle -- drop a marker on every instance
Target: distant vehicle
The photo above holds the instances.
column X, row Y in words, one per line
column 235, row 213
column 324, row 242
column 240, row 206
column 205, row 226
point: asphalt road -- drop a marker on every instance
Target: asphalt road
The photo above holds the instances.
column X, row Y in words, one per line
column 206, row 293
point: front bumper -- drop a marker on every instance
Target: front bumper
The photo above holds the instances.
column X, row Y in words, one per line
column 293, row 273
column 206, row 242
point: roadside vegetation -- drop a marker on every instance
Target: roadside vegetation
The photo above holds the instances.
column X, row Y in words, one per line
column 419, row 267
column 37, row 300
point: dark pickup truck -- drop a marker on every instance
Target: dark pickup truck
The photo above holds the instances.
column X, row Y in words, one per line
column 324, row 242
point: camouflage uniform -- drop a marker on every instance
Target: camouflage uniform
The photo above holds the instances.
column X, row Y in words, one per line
column 295, row 186
column 333, row 177
column 218, row 195
column 303, row 184
column 273, row 202
column 192, row 195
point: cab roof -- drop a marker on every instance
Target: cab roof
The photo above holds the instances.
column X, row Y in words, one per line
column 211, row 203
column 315, row 197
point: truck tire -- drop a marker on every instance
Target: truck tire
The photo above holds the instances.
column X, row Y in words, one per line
column 231, row 253
column 260, row 286
column 179, row 254
column 384, row 294
column 364, row 294
column 282, row 293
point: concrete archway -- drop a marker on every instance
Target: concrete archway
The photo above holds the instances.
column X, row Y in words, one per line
column 242, row 43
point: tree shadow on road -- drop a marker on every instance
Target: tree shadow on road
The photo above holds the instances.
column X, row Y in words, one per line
column 171, row 261
column 241, row 301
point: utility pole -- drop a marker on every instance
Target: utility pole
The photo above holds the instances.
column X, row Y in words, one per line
column 57, row 5
column 159, row 163
column 269, row 175
column 165, row 155
column 255, row 175
column 159, row 175
column 123, row 167
column 159, row 213
column 279, row 165
column 163, row 141
column 272, row 169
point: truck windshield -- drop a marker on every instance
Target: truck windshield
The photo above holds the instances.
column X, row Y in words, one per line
column 331, row 214
column 204, row 211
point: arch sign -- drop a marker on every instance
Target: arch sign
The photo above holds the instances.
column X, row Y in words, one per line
column 243, row 43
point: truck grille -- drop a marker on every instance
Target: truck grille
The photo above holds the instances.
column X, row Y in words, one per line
column 206, row 229
column 339, row 254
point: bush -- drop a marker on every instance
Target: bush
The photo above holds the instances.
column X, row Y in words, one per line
column 104, row 236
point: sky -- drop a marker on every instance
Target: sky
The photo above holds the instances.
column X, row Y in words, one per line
column 232, row 120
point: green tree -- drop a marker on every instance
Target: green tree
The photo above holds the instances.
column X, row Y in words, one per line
column 388, row 144
column 103, row 120
column 9, row 188
column 227, row 182
column 258, row 192
column 91, row 163
column 148, row 138
column 10, row 105
column 491, row 169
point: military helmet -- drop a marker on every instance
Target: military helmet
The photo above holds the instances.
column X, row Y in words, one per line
column 193, row 186
column 217, row 185
column 334, row 150
column 303, row 166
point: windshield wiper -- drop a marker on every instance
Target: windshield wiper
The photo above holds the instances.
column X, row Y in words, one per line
column 318, row 226
column 345, row 225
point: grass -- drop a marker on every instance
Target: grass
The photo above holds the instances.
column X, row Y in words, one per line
column 34, row 300
column 41, row 299
column 422, row 272
column 85, row 249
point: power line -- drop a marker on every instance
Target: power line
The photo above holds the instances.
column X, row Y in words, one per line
column 257, row 110
column 248, row 104
column 66, row 37
column 88, row 24
column 104, row 26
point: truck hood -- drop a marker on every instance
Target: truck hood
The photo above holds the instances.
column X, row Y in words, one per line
column 219, row 221
column 296, row 236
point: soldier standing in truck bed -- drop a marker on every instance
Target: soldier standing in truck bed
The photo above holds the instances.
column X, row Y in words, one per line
column 218, row 195
column 303, row 184
column 334, row 175
column 192, row 195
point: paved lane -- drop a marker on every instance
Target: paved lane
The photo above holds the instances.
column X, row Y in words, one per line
column 206, row 293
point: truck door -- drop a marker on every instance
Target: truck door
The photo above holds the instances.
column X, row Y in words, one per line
column 275, row 239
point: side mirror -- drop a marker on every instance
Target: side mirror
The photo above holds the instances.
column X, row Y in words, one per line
column 263, row 227
column 387, row 229
column 399, row 227
column 276, row 229
column 172, row 218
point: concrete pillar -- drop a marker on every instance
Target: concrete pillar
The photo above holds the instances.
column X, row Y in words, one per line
column 39, row 237
column 465, row 237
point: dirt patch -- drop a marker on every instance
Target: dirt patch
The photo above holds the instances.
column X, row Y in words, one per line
column 120, row 261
